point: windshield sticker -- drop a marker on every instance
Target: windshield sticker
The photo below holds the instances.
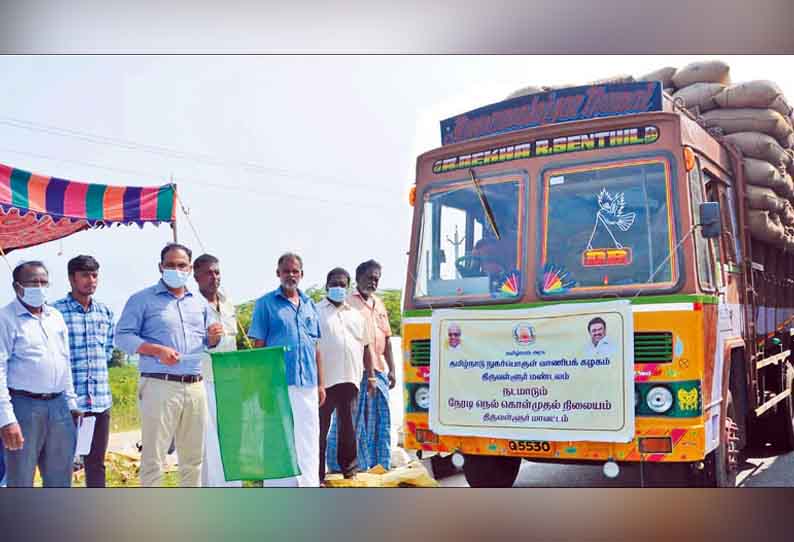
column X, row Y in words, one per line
column 556, row 280
column 609, row 139
column 610, row 213
column 554, row 181
column 509, row 287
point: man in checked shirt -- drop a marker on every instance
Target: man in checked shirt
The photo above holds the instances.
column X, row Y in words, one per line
column 91, row 330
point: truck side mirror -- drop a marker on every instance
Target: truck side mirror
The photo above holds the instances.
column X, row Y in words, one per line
column 710, row 221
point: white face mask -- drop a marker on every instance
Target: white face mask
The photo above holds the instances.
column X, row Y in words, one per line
column 174, row 278
column 34, row 296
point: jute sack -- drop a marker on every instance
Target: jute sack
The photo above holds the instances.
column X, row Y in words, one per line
column 762, row 197
column 761, row 173
column 766, row 121
column 700, row 95
column 604, row 81
column 760, row 94
column 788, row 187
column 710, row 71
column 765, row 226
column 524, row 91
column 665, row 75
column 760, row 146
column 787, row 214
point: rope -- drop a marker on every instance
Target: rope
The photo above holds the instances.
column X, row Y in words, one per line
column 5, row 259
column 186, row 212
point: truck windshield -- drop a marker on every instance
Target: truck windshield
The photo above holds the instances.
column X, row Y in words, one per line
column 605, row 227
column 459, row 253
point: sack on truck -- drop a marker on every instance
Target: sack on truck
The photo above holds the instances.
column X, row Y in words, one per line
column 766, row 121
column 699, row 95
column 665, row 75
column 765, row 226
column 760, row 146
column 761, row 173
column 710, row 71
column 756, row 94
column 763, row 198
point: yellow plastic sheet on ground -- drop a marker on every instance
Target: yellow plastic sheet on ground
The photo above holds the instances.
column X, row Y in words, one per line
column 413, row 474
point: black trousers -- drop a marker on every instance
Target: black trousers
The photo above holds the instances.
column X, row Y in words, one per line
column 342, row 398
column 95, row 460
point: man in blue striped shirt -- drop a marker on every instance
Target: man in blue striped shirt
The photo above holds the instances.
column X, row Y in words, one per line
column 91, row 330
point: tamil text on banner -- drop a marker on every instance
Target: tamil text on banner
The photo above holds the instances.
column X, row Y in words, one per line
column 255, row 426
column 559, row 373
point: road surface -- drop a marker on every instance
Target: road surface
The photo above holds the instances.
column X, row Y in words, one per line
column 762, row 470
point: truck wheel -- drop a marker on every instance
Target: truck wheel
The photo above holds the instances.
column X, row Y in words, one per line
column 491, row 471
column 722, row 465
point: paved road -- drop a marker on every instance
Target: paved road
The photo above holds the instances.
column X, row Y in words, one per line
column 757, row 471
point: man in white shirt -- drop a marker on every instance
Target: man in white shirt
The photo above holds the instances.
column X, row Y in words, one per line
column 38, row 405
column 344, row 347
column 207, row 272
column 599, row 345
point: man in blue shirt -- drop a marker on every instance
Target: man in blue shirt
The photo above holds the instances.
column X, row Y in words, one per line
column 91, row 329
column 38, row 406
column 287, row 317
column 170, row 328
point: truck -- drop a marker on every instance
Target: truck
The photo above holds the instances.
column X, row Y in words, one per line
column 595, row 194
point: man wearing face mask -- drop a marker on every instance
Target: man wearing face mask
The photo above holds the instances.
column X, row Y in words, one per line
column 207, row 272
column 38, row 406
column 288, row 317
column 91, row 329
column 170, row 328
column 344, row 346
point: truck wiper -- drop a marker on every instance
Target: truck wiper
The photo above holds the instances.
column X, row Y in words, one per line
column 484, row 203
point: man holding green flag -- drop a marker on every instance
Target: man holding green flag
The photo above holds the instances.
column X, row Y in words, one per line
column 287, row 317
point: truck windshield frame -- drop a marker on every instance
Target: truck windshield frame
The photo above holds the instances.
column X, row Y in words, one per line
column 482, row 270
column 605, row 227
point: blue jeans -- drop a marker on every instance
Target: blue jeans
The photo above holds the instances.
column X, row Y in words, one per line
column 2, row 470
column 50, row 439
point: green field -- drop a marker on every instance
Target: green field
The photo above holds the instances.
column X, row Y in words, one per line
column 124, row 387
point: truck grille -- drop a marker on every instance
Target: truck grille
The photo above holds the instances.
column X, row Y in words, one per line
column 654, row 347
column 420, row 352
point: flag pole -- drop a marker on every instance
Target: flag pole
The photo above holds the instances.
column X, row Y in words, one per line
column 173, row 224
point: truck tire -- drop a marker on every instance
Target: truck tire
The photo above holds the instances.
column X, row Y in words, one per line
column 718, row 471
column 442, row 466
column 491, row 471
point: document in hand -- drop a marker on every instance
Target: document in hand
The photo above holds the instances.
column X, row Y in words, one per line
column 255, row 426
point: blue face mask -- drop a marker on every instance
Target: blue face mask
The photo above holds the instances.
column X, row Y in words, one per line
column 337, row 294
column 34, row 296
column 174, row 278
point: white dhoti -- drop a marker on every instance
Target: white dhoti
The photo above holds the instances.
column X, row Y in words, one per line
column 306, row 430
column 212, row 467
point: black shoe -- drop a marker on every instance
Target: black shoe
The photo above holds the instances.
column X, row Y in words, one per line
column 350, row 474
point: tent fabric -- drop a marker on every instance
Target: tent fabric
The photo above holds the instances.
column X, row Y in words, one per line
column 36, row 209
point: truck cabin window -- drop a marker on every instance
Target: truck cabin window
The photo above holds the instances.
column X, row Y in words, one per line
column 606, row 227
column 462, row 254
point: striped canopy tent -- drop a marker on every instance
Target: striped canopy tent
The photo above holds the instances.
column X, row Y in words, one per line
column 35, row 209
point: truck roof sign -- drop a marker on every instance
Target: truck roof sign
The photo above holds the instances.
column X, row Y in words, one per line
column 564, row 105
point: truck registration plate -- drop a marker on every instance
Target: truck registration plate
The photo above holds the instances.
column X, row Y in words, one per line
column 534, row 447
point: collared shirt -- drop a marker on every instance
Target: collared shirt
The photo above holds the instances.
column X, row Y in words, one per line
column 228, row 343
column 91, row 345
column 344, row 336
column 603, row 349
column 155, row 315
column 377, row 319
column 34, row 355
column 280, row 323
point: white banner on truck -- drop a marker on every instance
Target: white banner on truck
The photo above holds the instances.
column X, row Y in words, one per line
column 562, row 373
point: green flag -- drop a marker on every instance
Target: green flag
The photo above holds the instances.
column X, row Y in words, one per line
column 254, row 414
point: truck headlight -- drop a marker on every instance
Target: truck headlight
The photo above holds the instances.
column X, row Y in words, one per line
column 659, row 399
column 422, row 397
